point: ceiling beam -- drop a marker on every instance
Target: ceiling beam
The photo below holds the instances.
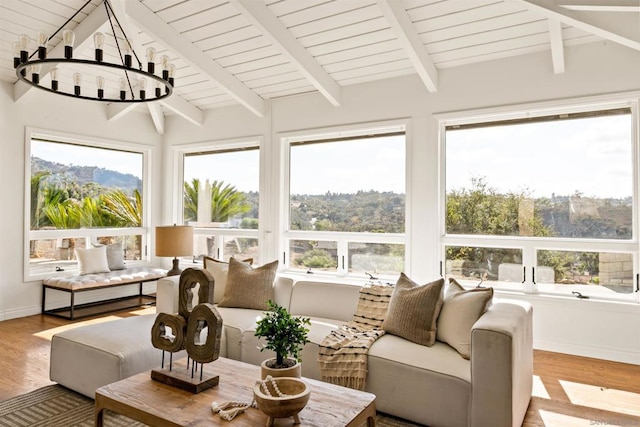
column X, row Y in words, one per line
column 116, row 110
column 270, row 26
column 184, row 109
column 83, row 35
column 618, row 28
column 557, row 45
column 157, row 116
column 601, row 5
column 166, row 35
column 404, row 29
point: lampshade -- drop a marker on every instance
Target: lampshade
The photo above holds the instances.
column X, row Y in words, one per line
column 174, row 240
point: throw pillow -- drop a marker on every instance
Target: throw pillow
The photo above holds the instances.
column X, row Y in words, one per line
column 92, row 260
column 219, row 270
column 413, row 310
column 115, row 255
column 249, row 287
column 461, row 309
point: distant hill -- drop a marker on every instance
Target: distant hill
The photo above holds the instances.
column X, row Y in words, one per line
column 86, row 174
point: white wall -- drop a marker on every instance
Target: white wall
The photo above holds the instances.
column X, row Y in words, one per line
column 52, row 112
column 589, row 328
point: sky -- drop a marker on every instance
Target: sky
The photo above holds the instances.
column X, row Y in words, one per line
column 66, row 154
column 349, row 166
column 592, row 156
column 239, row 168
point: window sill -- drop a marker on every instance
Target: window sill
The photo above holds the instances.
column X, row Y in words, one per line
column 593, row 292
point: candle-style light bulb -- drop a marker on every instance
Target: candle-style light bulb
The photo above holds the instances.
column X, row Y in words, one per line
column 35, row 73
column 16, row 54
column 172, row 72
column 151, row 58
column 142, row 82
column 123, row 88
column 77, row 80
column 100, row 85
column 23, row 41
column 54, row 78
column 165, row 67
column 42, row 45
column 126, row 47
column 98, row 41
column 158, row 89
column 68, row 38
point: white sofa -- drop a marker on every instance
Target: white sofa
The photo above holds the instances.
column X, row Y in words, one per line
column 434, row 386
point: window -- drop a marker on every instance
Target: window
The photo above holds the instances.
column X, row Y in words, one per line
column 220, row 199
column 81, row 195
column 346, row 203
column 552, row 194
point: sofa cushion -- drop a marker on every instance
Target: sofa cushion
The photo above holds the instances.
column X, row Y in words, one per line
column 92, row 260
column 413, row 310
column 428, row 385
column 460, row 311
column 324, row 300
column 219, row 270
column 249, row 287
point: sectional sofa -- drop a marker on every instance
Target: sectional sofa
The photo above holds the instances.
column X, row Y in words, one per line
column 434, row 385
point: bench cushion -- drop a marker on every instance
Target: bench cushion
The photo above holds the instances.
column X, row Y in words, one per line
column 91, row 356
column 118, row 277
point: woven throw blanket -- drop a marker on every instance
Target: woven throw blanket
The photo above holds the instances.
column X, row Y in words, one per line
column 343, row 353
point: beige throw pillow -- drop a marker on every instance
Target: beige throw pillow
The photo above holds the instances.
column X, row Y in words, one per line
column 461, row 309
column 219, row 270
column 249, row 287
column 413, row 310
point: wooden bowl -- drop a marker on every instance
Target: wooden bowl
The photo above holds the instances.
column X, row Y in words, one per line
column 282, row 407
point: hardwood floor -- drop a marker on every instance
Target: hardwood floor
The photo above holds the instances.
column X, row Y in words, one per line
column 568, row 390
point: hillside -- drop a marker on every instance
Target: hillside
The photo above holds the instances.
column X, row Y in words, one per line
column 83, row 175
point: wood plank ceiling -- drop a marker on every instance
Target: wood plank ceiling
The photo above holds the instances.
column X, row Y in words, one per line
column 250, row 51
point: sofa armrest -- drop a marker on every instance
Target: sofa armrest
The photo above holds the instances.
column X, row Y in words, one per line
column 502, row 365
column 167, row 294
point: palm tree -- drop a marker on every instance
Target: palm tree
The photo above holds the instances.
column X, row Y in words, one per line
column 226, row 201
column 122, row 209
column 191, row 200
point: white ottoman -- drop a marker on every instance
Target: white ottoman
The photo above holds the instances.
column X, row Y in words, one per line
column 91, row 356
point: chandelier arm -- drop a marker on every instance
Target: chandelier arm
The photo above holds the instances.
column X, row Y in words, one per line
column 107, row 4
column 107, row 8
column 63, row 25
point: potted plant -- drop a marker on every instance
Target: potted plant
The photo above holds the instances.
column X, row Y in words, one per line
column 285, row 335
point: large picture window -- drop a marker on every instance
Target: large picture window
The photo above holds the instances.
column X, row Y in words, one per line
column 80, row 196
column 553, row 194
column 346, row 203
column 220, row 199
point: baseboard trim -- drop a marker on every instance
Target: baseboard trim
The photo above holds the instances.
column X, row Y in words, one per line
column 595, row 352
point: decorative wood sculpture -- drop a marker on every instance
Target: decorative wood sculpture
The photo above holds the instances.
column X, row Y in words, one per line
column 184, row 330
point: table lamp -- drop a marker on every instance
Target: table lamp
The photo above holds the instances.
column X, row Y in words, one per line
column 174, row 241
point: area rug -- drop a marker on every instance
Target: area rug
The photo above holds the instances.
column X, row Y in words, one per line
column 56, row 406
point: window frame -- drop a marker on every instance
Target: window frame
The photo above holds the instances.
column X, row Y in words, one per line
column 89, row 233
column 530, row 245
column 179, row 152
column 286, row 139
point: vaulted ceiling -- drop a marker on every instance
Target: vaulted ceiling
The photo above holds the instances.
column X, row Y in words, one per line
column 249, row 51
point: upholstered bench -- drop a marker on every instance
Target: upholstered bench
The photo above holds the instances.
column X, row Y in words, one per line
column 91, row 282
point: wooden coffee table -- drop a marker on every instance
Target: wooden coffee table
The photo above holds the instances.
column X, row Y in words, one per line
column 158, row 404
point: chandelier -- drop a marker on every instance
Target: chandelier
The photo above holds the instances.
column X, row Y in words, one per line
column 114, row 82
